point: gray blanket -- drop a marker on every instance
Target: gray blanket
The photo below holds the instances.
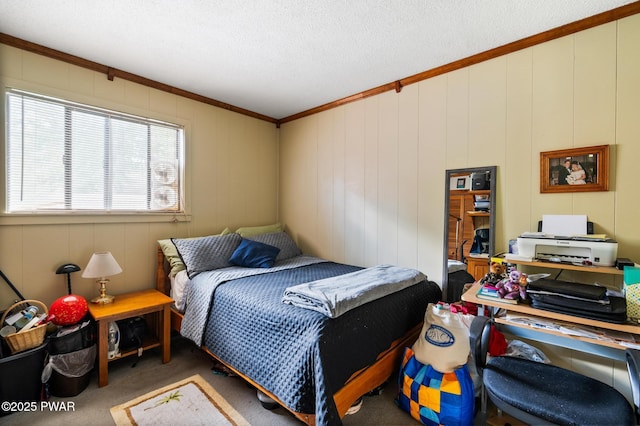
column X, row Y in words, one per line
column 336, row 295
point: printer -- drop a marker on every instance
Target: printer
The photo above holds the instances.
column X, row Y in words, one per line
column 580, row 250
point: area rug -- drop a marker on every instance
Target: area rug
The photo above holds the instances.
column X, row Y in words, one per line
column 190, row 401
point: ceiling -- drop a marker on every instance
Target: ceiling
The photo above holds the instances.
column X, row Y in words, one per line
column 281, row 57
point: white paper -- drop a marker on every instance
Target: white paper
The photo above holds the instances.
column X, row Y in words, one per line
column 564, row 225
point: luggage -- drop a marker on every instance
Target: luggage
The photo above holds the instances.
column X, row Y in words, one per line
column 582, row 300
column 605, row 305
column 434, row 398
column 434, row 383
column 132, row 332
column 618, row 314
column 585, row 291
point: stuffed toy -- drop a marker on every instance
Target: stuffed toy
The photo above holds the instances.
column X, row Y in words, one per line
column 514, row 287
column 495, row 275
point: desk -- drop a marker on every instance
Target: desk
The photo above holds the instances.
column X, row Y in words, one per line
column 127, row 306
column 604, row 348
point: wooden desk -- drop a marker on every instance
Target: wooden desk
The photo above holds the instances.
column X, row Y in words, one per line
column 527, row 310
column 127, row 306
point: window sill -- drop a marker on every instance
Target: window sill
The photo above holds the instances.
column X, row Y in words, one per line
column 73, row 218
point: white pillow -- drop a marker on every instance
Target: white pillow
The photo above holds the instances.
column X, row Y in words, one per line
column 178, row 283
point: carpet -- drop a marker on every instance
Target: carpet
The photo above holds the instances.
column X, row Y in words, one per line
column 191, row 401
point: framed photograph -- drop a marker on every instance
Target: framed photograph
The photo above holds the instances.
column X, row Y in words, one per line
column 461, row 183
column 575, row 170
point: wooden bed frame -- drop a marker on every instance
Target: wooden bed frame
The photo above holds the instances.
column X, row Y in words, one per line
column 359, row 383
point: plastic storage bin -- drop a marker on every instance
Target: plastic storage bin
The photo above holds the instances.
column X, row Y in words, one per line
column 20, row 376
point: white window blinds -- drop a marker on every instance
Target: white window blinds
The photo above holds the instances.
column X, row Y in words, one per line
column 63, row 156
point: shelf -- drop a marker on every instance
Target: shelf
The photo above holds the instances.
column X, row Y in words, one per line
column 525, row 309
column 568, row 266
column 148, row 342
column 605, row 346
column 479, row 214
column 470, row 191
column 590, row 340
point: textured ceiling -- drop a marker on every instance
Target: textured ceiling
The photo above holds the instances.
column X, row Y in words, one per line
column 281, row 57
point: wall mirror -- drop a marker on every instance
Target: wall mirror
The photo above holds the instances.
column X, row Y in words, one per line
column 469, row 227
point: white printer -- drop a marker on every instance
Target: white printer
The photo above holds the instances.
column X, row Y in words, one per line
column 580, row 250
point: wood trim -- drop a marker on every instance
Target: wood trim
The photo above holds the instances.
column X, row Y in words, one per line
column 111, row 73
column 572, row 28
column 308, row 419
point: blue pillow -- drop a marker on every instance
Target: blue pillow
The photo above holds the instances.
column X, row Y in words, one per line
column 254, row 254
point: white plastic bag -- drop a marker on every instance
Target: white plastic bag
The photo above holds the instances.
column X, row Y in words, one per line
column 72, row 364
column 520, row 349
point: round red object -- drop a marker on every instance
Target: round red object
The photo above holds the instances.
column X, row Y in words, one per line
column 68, row 310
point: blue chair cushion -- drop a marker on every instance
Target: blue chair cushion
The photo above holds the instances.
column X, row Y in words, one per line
column 555, row 394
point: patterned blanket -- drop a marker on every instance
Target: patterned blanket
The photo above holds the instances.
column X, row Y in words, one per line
column 202, row 286
column 301, row 356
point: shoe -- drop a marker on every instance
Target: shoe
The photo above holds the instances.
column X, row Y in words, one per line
column 355, row 407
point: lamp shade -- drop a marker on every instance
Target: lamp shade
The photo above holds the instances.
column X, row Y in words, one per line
column 101, row 264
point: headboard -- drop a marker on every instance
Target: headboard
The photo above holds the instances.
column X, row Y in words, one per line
column 163, row 284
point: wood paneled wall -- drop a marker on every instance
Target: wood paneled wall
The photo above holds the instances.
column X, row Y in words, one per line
column 232, row 180
column 363, row 183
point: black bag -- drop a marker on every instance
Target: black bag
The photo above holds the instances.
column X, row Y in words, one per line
column 585, row 291
column 617, row 313
column 603, row 305
column 132, row 332
column 72, row 338
column 480, row 241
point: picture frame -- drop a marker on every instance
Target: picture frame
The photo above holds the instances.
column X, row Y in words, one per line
column 575, row 170
column 460, row 182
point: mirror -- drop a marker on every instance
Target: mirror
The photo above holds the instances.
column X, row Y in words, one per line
column 469, row 227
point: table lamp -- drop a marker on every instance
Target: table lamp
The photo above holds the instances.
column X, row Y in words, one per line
column 68, row 268
column 102, row 265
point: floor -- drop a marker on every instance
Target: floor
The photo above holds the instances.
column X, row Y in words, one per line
column 91, row 406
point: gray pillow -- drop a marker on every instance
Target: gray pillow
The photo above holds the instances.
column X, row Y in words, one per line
column 282, row 240
column 206, row 253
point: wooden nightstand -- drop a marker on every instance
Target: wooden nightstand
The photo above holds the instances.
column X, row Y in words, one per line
column 130, row 305
column 478, row 266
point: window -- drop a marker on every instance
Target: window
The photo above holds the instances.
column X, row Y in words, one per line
column 67, row 157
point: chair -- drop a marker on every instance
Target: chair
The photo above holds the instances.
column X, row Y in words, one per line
column 537, row 393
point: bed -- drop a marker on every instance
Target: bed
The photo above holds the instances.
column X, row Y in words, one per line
column 458, row 277
column 314, row 365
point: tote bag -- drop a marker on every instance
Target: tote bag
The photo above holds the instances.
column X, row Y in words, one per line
column 443, row 342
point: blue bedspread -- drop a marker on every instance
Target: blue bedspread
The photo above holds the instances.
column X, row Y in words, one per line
column 302, row 356
column 203, row 285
